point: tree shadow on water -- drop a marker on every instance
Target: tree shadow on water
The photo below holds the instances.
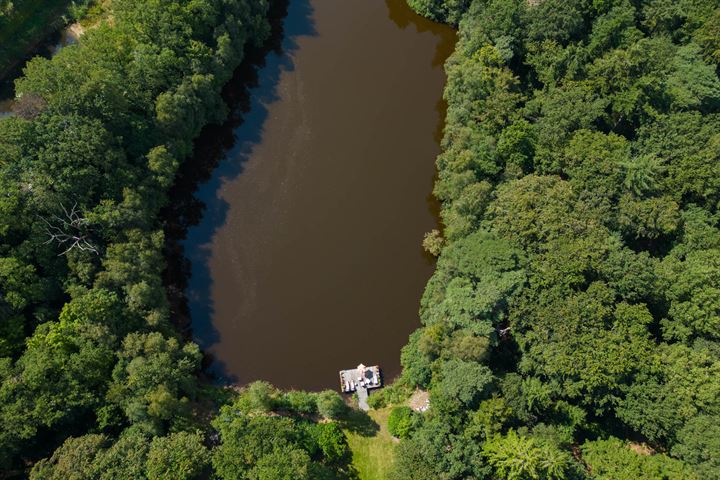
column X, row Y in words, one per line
column 197, row 211
column 403, row 16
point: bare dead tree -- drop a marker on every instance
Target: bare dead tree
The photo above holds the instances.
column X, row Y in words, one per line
column 71, row 231
column 29, row 105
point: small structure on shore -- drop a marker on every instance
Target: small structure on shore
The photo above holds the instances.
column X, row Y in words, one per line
column 360, row 380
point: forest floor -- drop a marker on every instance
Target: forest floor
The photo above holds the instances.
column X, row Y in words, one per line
column 372, row 450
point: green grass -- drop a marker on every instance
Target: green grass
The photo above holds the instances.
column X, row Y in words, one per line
column 371, row 444
column 29, row 24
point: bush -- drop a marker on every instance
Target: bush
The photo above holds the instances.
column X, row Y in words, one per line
column 393, row 394
column 300, row 402
column 433, row 242
column 331, row 405
column 402, row 421
column 178, row 456
column 258, row 397
column 332, row 442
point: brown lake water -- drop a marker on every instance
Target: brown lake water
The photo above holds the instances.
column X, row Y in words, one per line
column 308, row 257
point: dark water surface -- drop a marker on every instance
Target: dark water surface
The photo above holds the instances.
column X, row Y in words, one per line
column 48, row 48
column 308, row 258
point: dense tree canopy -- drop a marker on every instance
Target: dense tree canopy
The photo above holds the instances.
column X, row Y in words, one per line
column 571, row 329
column 93, row 375
column 575, row 297
column 95, row 380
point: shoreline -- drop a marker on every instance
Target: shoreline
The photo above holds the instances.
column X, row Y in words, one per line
column 185, row 210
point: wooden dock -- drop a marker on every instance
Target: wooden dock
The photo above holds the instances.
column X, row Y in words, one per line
column 362, row 399
column 360, row 379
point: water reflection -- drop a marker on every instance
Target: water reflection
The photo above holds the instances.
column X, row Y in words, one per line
column 403, row 17
column 248, row 133
column 307, row 258
column 6, row 108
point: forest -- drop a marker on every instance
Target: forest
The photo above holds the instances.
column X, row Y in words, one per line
column 571, row 329
column 95, row 380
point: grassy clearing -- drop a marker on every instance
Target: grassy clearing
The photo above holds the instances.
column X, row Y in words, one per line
column 371, row 444
column 29, row 24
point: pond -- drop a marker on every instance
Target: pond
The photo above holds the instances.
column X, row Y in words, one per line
column 308, row 256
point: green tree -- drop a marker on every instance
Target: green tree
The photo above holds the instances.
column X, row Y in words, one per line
column 433, row 242
column 134, row 267
column 259, row 397
column 74, row 460
column 331, row 405
column 641, row 174
column 698, row 444
column 586, row 347
column 434, row 452
column 126, row 458
column 613, row 459
column 71, row 362
column 555, row 20
column 402, row 421
column 21, row 289
column 461, row 384
column 707, row 37
column 417, row 366
column 691, row 287
column 266, row 447
column 441, row 10
column 473, row 279
column 332, row 442
column 678, row 383
column 489, row 419
column 651, row 218
column 515, row 457
column 153, row 380
column 98, row 307
column 101, row 130
column 282, row 464
column 163, row 165
column 300, row 402
column 593, row 162
column 682, row 146
column 179, row 456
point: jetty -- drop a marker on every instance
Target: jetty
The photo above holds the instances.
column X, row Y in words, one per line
column 360, row 379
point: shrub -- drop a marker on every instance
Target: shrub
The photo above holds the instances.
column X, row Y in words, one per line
column 402, row 421
column 331, row 405
column 258, row 397
column 300, row 402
